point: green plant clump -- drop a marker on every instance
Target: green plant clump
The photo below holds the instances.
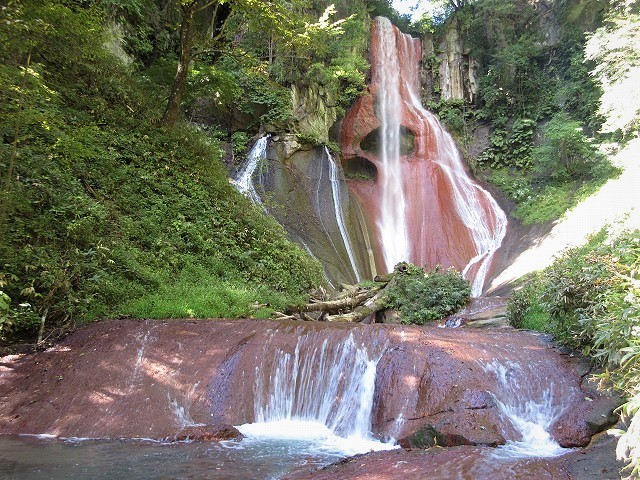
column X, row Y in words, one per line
column 422, row 297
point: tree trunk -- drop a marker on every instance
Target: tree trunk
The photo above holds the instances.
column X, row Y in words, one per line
column 335, row 306
column 43, row 320
column 172, row 112
column 373, row 305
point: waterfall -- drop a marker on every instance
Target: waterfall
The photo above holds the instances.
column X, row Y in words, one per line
column 338, row 205
column 531, row 409
column 488, row 226
column 244, row 178
column 393, row 220
column 429, row 210
column 324, row 388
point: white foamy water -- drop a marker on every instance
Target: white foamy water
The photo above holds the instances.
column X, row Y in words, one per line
column 244, row 179
column 322, row 393
column 530, row 409
column 314, row 436
column 338, row 204
column 393, row 220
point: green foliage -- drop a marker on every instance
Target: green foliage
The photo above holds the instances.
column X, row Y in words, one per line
column 516, row 185
column 565, row 153
column 457, row 115
column 330, row 53
column 591, row 299
column 421, row 296
column 615, row 54
column 524, row 308
column 567, row 168
column 239, row 140
column 511, row 148
column 384, row 8
column 107, row 208
column 257, row 95
column 547, row 204
column 196, row 293
column 591, row 296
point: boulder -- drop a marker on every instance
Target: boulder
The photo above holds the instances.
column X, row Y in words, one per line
column 207, row 433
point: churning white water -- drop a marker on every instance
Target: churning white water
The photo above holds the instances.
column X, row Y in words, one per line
column 392, row 223
column 530, row 408
column 320, row 392
column 338, row 205
column 467, row 200
column 244, row 178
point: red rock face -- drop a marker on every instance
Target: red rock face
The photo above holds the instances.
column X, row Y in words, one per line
column 435, row 186
column 439, row 464
column 128, row 379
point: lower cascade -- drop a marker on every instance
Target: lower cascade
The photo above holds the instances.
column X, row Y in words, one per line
column 529, row 407
column 303, row 394
column 321, row 392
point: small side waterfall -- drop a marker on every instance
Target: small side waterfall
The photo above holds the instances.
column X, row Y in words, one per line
column 338, row 205
column 530, row 408
column 244, row 178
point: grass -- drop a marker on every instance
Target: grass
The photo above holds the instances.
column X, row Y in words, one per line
column 206, row 298
column 553, row 201
column 536, row 318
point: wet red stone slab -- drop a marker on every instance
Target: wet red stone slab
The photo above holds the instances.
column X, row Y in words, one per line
column 150, row 379
column 456, row 463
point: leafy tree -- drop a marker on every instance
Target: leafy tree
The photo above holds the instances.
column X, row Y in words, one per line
column 295, row 36
column 565, row 152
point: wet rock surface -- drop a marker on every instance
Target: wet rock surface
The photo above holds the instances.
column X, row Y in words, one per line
column 439, row 464
column 151, row 379
column 206, row 433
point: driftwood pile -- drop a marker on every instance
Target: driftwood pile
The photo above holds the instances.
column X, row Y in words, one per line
column 354, row 303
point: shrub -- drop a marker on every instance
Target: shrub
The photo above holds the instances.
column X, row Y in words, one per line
column 566, row 153
column 591, row 295
column 421, row 296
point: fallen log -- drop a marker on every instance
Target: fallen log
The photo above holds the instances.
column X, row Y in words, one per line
column 370, row 307
column 335, row 306
column 353, row 304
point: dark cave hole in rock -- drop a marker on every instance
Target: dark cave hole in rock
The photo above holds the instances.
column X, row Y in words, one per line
column 371, row 143
column 359, row 168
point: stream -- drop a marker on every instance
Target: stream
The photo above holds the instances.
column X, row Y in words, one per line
column 104, row 402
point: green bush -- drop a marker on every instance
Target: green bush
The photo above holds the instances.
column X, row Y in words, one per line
column 566, row 153
column 525, row 310
column 591, row 298
column 511, row 148
column 106, row 208
column 421, row 296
